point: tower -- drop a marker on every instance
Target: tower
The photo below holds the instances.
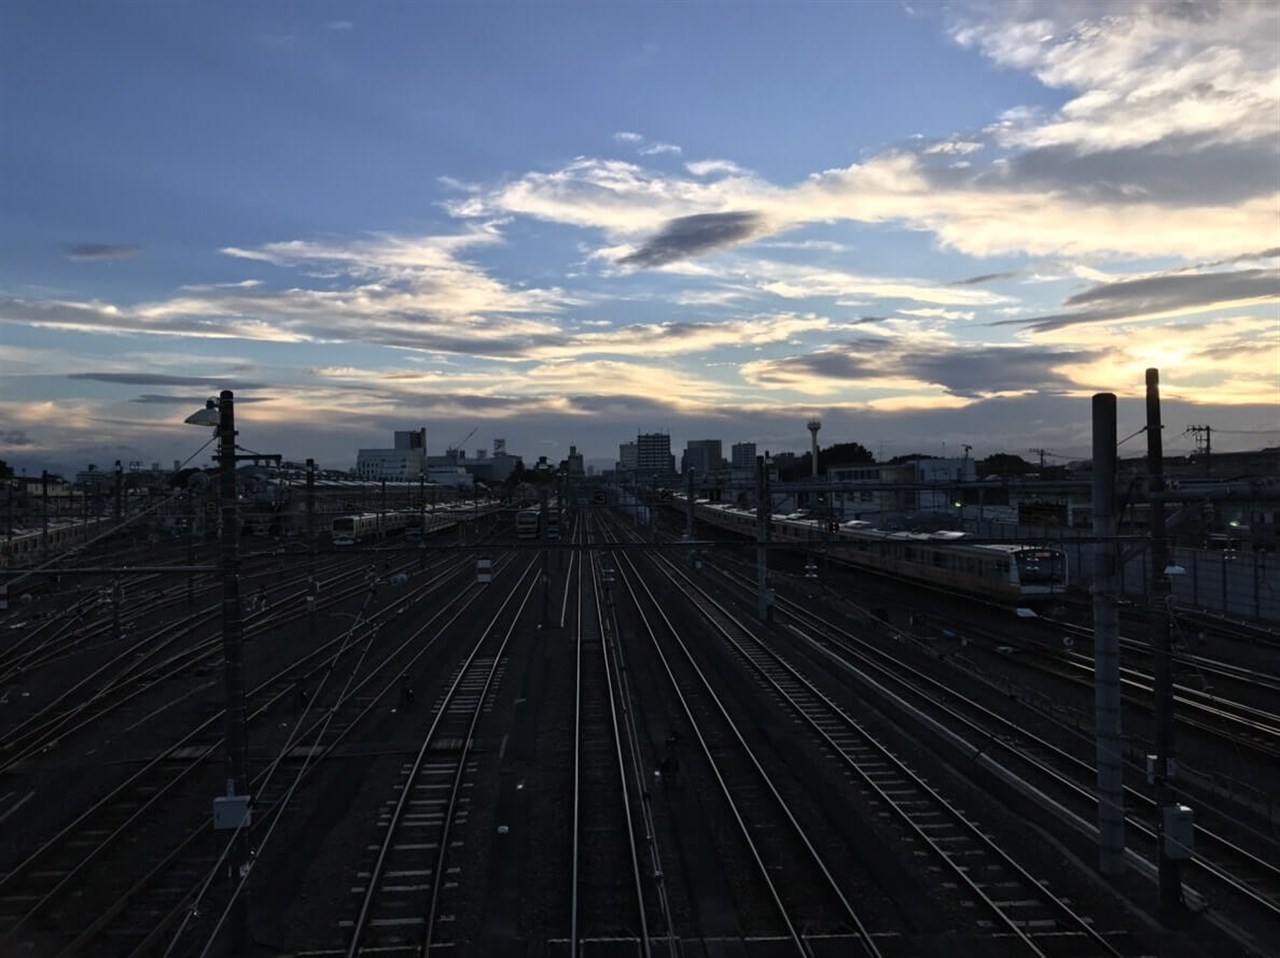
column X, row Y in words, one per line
column 814, row 425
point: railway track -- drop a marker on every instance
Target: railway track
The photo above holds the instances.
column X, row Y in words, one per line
column 406, row 899
column 1220, row 864
column 1019, row 907
column 775, row 841
column 45, row 895
column 615, row 857
column 193, row 643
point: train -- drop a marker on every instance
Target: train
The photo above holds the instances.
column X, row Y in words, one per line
column 348, row 530
column 26, row 547
column 1004, row 572
column 528, row 523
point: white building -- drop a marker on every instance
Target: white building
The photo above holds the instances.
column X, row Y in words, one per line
column 397, row 464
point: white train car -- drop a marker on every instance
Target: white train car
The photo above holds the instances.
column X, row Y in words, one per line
column 1009, row 572
column 528, row 523
column 28, row 547
column 348, row 530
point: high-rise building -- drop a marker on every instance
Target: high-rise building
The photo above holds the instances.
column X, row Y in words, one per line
column 411, row 439
column 628, row 456
column 573, row 464
column 704, row 456
column 653, row 453
column 743, row 455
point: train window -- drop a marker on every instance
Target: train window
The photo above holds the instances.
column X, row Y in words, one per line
column 939, row 559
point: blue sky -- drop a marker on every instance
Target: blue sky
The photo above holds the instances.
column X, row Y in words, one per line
column 558, row 224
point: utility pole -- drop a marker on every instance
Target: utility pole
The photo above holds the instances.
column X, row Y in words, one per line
column 1207, row 433
column 191, row 545
column 688, row 501
column 1165, row 763
column 1106, row 641
column 546, row 571
column 119, row 489
column 311, row 513
column 236, row 802
column 764, row 514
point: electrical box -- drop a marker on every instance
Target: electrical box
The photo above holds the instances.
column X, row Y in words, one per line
column 1179, row 831
column 231, row 811
column 1171, row 769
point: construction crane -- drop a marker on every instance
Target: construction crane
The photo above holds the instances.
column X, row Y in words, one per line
column 462, row 445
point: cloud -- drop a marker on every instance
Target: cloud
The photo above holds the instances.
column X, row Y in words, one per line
column 158, row 379
column 657, row 148
column 100, row 252
column 209, row 287
column 798, row 281
column 683, row 338
column 953, row 147
column 406, row 292
column 1161, row 295
column 15, row 437
column 714, row 168
column 1144, row 72
column 340, row 25
column 693, row 235
column 1166, row 146
column 985, row 278
column 933, row 312
column 910, row 372
column 628, row 137
column 985, row 211
column 157, row 399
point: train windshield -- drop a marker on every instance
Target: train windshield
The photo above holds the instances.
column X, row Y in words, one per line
column 1041, row 567
column 345, row 524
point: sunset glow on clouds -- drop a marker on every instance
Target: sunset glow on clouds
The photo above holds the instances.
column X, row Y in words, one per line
column 579, row 236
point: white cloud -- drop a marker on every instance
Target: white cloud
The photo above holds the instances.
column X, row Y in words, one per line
column 340, row 25
column 628, row 137
column 933, row 312
column 657, row 148
column 977, row 216
column 208, row 287
column 714, row 167
column 1143, row 73
column 792, row 281
column 953, row 147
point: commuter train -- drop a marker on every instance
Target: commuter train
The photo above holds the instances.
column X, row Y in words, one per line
column 528, row 523
column 1002, row 571
column 27, row 547
column 348, row 530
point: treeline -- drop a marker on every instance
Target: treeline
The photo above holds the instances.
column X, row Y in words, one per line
column 855, row 454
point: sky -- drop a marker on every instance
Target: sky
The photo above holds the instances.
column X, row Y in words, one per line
column 932, row 225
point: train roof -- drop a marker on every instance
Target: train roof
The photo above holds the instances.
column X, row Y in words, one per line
column 951, row 539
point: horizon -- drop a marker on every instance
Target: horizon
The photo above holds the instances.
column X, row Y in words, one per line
column 564, row 224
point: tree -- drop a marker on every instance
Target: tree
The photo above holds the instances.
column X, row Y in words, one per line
column 911, row 457
column 840, row 454
column 1004, row 464
column 844, row 454
column 6, row 470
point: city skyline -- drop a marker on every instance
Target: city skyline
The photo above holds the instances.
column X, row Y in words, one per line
column 563, row 224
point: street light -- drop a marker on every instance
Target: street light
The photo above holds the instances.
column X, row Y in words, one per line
column 231, row 811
